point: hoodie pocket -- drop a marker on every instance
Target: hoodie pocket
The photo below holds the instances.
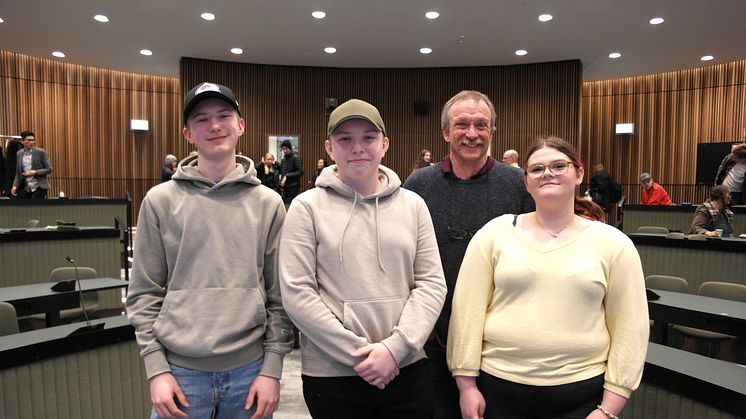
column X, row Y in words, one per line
column 209, row 322
column 373, row 319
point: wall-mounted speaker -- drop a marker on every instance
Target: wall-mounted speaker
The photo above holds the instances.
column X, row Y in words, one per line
column 330, row 104
column 420, row 107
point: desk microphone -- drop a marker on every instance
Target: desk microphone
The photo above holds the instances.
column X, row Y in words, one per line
column 88, row 326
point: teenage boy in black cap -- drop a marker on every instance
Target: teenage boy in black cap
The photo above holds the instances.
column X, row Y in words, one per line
column 204, row 297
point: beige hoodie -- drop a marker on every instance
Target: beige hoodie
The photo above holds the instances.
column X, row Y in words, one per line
column 356, row 270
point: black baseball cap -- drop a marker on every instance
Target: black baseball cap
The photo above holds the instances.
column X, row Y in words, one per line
column 206, row 90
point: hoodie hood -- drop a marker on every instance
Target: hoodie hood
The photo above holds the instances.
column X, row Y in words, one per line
column 244, row 172
column 389, row 183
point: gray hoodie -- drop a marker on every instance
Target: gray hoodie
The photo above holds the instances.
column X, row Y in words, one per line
column 204, row 292
column 356, row 270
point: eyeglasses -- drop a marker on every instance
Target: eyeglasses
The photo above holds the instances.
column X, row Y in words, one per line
column 480, row 126
column 557, row 168
column 459, row 234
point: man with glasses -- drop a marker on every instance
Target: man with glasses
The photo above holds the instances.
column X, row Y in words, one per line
column 32, row 169
column 463, row 192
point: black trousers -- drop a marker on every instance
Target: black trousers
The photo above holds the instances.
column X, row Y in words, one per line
column 443, row 395
column 508, row 400
column 39, row 193
column 352, row 397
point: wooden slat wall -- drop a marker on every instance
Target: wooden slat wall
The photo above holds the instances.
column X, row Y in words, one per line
column 672, row 112
column 81, row 117
column 81, row 114
column 280, row 100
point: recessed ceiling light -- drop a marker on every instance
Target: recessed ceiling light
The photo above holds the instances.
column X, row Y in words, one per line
column 146, row 52
column 615, row 54
column 521, row 52
column 101, row 18
column 546, row 17
column 656, row 21
column 707, row 58
column 237, row 51
column 319, row 14
column 426, row 50
column 58, row 54
column 330, row 50
column 432, row 15
column 1, row 20
column 207, row 16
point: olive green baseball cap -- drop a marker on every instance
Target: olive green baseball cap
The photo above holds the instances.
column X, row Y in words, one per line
column 355, row 109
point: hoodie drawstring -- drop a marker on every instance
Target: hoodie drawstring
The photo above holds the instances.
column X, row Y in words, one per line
column 347, row 224
column 378, row 240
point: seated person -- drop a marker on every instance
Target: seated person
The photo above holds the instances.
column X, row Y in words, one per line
column 714, row 215
column 653, row 193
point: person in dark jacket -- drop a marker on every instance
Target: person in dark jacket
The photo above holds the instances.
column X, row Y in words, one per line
column 268, row 171
column 291, row 171
column 320, row 165
column 169, row 167
column 601, row 187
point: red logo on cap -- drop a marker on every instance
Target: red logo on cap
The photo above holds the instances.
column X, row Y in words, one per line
column 207, row 87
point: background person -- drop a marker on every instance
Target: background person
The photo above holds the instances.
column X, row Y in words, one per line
column 268, row 172
column 732, row 171
column 204, row 297
column 549, row 315
column 714, row 214
column 510, row 157
column 423, row 160
column 169, row 167
column 320, row 165
column 653, row 193
column 32, row 169
column 291, row 170
column 361, row 279
column 600, row 187
column 463, row 192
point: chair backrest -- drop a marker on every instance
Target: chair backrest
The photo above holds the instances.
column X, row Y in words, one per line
column 724, row 290
column 667, row 283
column 8, row 319
column 652, row 230
column 698, row 237
column 68, row 272
column 675, row 236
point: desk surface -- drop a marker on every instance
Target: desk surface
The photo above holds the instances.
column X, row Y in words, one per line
column 38, row 234
column 714, row 314
column 44, row 289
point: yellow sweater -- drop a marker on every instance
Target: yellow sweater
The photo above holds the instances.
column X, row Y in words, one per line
column 550, row 314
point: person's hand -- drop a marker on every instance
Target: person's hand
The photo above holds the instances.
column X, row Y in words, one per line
column 282, row 182
column 379, row 366
column 742, row 236
column 470, row 400
column 711, row 234
column 29, row 173
column 266, row 391
column 163, row 388
column 14, row 191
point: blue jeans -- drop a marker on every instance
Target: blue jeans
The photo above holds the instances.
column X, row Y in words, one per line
column 215, row 394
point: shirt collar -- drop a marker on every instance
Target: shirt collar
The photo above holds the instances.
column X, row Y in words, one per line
column 447, row 166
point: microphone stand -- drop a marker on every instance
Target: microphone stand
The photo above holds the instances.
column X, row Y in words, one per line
column 88, row 326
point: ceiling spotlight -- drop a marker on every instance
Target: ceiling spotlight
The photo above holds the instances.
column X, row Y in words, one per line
column 207, row 16
column 318, row 14
column 521, row 52
column 146, row 52
column 237, row 51
column 707, row 58
column 656, row 21
column 330, row 50
column 432, row 15
column 546, row 17
column 1, row 20
column 101, row 18
column 615, row 55
column 426, row 50
column 58, row 54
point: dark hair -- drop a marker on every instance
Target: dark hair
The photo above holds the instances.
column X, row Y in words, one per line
column 287, row 144
column 719, row 192
column 25, row 134
column 583, row 207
